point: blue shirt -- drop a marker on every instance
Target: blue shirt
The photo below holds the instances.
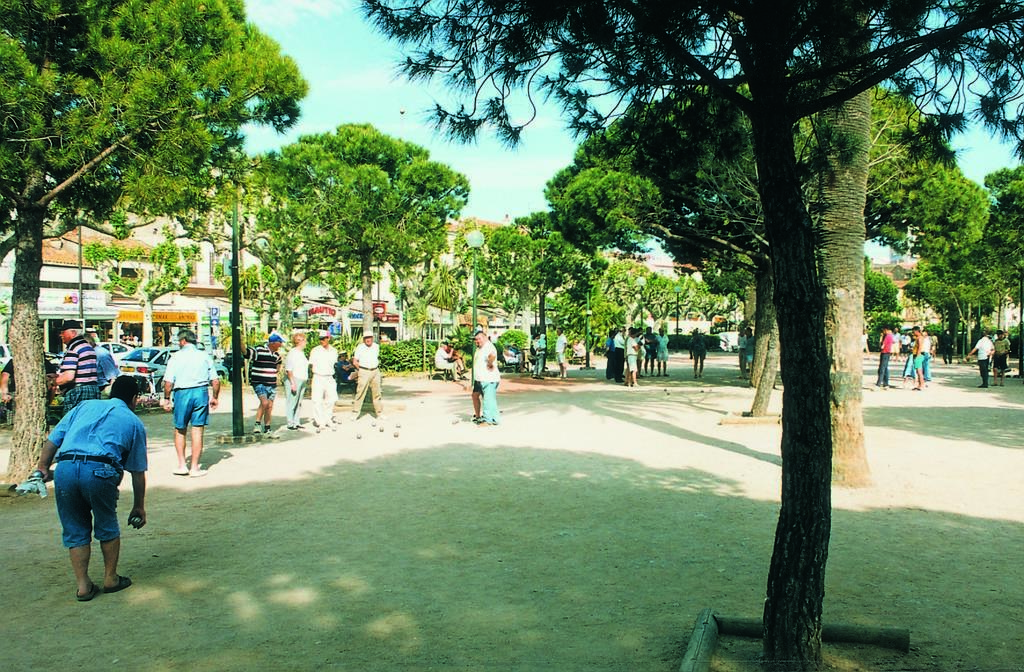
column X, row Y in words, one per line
column 108, row 370
column 189, row 367
column 103, row 427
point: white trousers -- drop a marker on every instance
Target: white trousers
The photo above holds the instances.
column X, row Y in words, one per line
column 324, row 394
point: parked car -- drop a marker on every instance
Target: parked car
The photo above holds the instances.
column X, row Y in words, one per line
column 117, row 350
column 729, row 341
column 5, row 354
column 148, row 364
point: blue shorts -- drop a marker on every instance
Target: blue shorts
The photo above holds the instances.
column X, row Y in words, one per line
column 87, row 495
column 191, row 406
column 265, row 391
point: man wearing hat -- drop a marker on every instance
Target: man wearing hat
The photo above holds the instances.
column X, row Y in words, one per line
column 366, row 359
column 78, row 370
column 264, row 366
column 322, row 359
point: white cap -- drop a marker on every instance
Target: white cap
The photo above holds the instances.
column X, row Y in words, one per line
column 367, row 334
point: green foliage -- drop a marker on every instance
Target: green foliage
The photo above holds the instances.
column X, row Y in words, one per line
column 515, row 337
column 142, row 272
column 401, row 356
column 880, row 293
column 144, row 96
column 355, row 198
column 461, row 339
column 1004, row 234
column 876, row 322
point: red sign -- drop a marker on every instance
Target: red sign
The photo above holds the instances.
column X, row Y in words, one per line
column 379, row 309
column 390, row 317
column 321, row 310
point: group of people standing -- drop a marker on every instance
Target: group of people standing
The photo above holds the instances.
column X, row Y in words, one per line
column 324, row 370
column 918, row 350
column 632, row 353
column 918, row 347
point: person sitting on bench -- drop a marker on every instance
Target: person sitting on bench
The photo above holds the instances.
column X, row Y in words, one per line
column 344, row 372
column 447, row 358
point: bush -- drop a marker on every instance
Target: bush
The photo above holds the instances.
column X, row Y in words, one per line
column 399, row 356
column 513, row 337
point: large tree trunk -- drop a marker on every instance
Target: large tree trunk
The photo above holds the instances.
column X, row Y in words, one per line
column 796, row 576
column 842, row 194
column 27, row 344
column 284, row 310
column 764, row 320
column 766, row 342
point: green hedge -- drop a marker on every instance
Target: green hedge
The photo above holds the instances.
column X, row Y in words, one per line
column 399, row 356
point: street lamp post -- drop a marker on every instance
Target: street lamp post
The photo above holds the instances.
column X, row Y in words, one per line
column 475, row 240
column 640, row 283
column 678, row 289
column 237, row 422
column 586, row 339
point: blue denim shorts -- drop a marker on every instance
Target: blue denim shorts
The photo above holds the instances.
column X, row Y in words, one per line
column 191, row 405
column 87, row 495
column 265, row 391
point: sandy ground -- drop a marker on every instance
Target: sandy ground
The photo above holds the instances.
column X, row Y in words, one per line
column 584, row 533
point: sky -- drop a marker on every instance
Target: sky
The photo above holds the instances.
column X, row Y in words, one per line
column 352, row 75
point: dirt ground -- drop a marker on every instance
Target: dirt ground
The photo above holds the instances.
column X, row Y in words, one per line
column 586, row 532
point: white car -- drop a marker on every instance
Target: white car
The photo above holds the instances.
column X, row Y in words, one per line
column 117, row 350
column 151, row 363
column 729, row 341
column 148, row 363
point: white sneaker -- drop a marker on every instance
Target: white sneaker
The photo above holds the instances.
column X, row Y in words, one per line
column 257, row 429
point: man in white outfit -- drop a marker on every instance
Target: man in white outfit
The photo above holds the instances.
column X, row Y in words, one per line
column 324, row 390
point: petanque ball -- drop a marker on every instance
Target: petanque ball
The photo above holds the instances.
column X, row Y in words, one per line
column 359, row 436
column 396, row 435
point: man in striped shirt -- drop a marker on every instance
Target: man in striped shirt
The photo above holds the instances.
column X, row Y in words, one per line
column 264, row 366
column 77, row 375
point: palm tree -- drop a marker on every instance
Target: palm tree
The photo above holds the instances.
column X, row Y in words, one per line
column 445, row 289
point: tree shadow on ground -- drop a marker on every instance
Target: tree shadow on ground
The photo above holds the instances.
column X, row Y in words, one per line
column 468, row 558
column 656, row 412
column 994, row 425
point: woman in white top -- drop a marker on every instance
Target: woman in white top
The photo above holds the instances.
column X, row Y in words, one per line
column 296, row 370
column 632, row 352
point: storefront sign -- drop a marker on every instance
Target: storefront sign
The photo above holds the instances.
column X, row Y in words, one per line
column 379, row 309
column 164, row 316
column 321, row 310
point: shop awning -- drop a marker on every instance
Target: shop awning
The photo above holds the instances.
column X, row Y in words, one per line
column 159, row 316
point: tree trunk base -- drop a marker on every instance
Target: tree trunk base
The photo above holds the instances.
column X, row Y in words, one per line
column 709, row 626
column 745, row 418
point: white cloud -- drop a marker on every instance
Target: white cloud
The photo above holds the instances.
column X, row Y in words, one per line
column 289, row 12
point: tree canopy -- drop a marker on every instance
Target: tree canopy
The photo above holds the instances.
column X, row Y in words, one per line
column 373, row 200
column 117, row 103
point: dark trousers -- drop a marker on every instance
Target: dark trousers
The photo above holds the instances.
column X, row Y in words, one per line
column 883, row 369
column 983, row 365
